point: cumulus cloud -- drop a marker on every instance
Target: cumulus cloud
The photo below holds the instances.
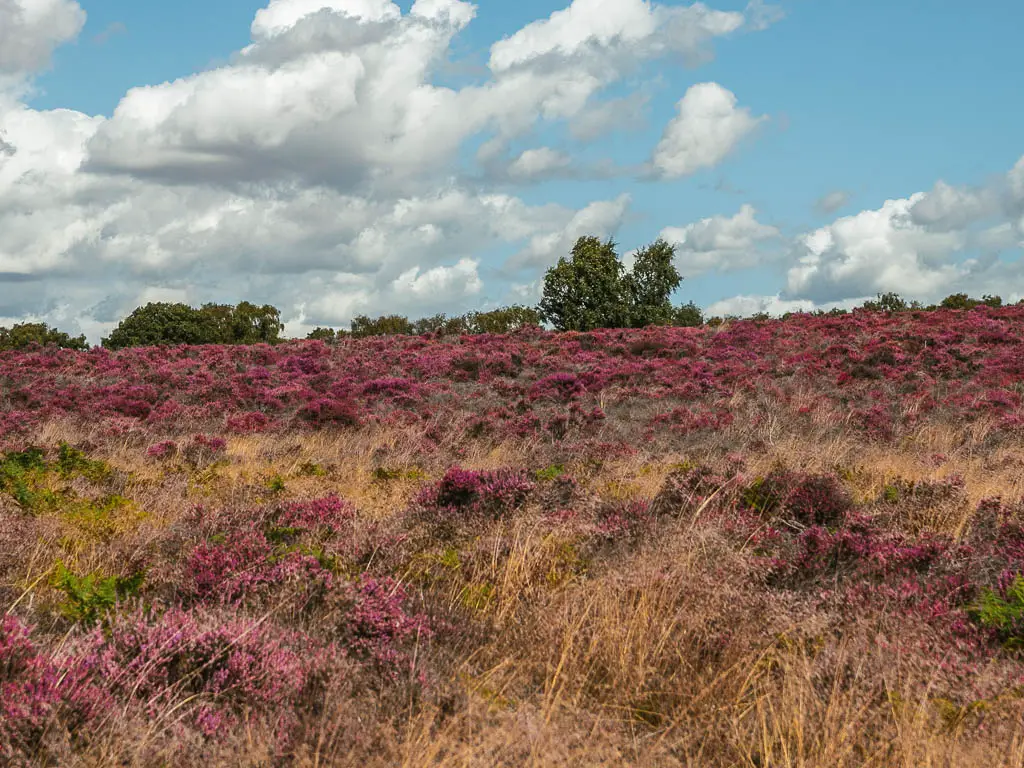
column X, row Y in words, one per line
column 709, row 125
column 319, row 169
column 600, row 219
column 914, row 246
column 720, row 243
column 589, row 29
column 31, row 29
column 542, row 161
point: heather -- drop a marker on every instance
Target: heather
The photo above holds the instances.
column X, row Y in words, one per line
column 759, row 543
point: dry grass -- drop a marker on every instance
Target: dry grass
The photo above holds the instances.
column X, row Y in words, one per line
column 666, row 653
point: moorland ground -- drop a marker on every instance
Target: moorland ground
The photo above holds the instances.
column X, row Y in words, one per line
column 770, row 543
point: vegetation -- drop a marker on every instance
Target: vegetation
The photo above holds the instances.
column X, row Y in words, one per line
column 163, row 323
column 24, row 335
column 761, row 543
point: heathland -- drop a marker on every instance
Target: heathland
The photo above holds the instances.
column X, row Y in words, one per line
column 792, row 542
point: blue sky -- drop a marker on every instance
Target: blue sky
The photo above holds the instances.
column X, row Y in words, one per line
column 859, row 103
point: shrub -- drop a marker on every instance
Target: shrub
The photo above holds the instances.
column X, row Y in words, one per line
column 89, row 598
column 1002, row 610
column 218, row 669
column 330, row 410
column 464, row 493
column 379, row 628
column 34, row 690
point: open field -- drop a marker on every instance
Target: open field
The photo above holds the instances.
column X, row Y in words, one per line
column 772, row 543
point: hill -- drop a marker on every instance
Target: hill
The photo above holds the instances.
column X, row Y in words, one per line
column 769, row 543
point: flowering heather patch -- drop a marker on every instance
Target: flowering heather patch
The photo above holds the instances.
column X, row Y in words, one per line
column 463, row 494
column 245, row 565
column 222, row 668
column 35, row 689
column 379, row 627
column 760, row 543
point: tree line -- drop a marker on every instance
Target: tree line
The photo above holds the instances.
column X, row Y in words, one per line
column 589, row 289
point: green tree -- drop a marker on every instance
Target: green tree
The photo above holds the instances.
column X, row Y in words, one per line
column 326, row 334
column 689, row 315
column 386, row 325
column 585, row 291
column 649, row 285
column 441, row 324
column 255, row 324
column 22, row 335
column 887, row 302
column 164, row 323
column 502, row 320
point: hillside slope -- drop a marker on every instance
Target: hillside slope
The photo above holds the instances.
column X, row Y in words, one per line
column 773, row 543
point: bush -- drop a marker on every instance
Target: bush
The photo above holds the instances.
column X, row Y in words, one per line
column 164, row 323
column 24, row 335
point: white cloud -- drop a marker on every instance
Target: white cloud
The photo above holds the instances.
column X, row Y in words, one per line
column 538, row 162
column 947, row 208
column 745, row 306
column 709, row 125
column 31, row 29
column 318, row 170
column 720, row 243
column 440, row 284
column 874, row 252
column 600, row 219
column 597, row 28
column 924, row 247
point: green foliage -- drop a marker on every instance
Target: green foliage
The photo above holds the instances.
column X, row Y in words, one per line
column 166, row 323
column 71, row 461
column 385, row 474
column 586, row 291
column 1005, row 615
column 649, row 285
column 386, row 325
column 276, row 484
column 22, row 475
column 688, row 315
column 891, row 494
column 89, row 598
column 887, row 302
column 478, row 597
column 24, row 335
column 548, row 474
column 328, row 335
column 311, row 469
column 761, row 496
column 592, row 290
column 441, row 325
column 503, row 320
column 963, row 301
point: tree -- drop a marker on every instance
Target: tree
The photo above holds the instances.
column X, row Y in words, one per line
column 649, row 285
column 23, row 335
column 165, row 323
column 689, row 315
column 502, row 320
column 385, row 325
column 585, row 291
column 328, row 335
column 963, row 301
column 887, row 302
column 441, row 324
column 252, row 324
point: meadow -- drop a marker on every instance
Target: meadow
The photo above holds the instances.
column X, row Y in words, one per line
column 790, row 542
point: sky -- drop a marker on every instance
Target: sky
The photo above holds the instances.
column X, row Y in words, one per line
column 344, row 157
